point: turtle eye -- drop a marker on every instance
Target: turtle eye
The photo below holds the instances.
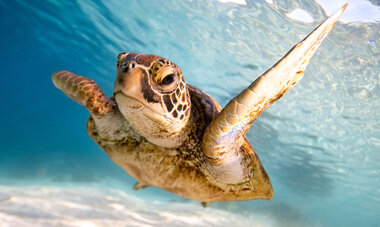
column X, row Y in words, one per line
column 168, row 79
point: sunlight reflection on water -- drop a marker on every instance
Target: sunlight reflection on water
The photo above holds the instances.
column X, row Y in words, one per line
column 320, row 143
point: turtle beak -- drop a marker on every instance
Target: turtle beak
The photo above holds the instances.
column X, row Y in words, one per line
column 132, row 92
column 134, row 102
column 127, row 89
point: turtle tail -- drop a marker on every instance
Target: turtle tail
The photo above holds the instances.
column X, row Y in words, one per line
column 84, row 91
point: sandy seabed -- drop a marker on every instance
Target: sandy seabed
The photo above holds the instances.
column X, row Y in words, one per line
column 87, row 207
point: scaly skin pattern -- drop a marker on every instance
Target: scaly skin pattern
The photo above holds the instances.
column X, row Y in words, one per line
column 172, row 135
column 182, row 170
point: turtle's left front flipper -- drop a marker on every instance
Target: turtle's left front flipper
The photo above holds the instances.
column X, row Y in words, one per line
column 225, row 135
column 84, row 91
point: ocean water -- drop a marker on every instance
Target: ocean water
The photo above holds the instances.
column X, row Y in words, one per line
column 320, row 143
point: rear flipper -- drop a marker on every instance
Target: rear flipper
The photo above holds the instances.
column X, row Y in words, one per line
column 205, row 204
column 140, row 185
column 84, row 91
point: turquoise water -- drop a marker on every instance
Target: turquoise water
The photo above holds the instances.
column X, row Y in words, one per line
column 320, row 143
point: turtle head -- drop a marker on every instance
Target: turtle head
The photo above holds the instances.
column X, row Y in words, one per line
column 151, row 94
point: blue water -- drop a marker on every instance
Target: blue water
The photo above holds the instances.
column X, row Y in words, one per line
column 320, row 143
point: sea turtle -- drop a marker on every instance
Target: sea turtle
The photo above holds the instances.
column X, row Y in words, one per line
column 172, row 135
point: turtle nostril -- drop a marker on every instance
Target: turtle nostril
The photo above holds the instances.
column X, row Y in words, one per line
column 128, row 65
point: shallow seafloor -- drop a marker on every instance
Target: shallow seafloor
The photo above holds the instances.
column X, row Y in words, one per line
column 320, row 143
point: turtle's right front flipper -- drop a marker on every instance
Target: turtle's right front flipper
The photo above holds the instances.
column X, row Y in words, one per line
column 224, row 137
column 84, row 91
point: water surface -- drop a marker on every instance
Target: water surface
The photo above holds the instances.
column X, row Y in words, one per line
column 320, row 143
